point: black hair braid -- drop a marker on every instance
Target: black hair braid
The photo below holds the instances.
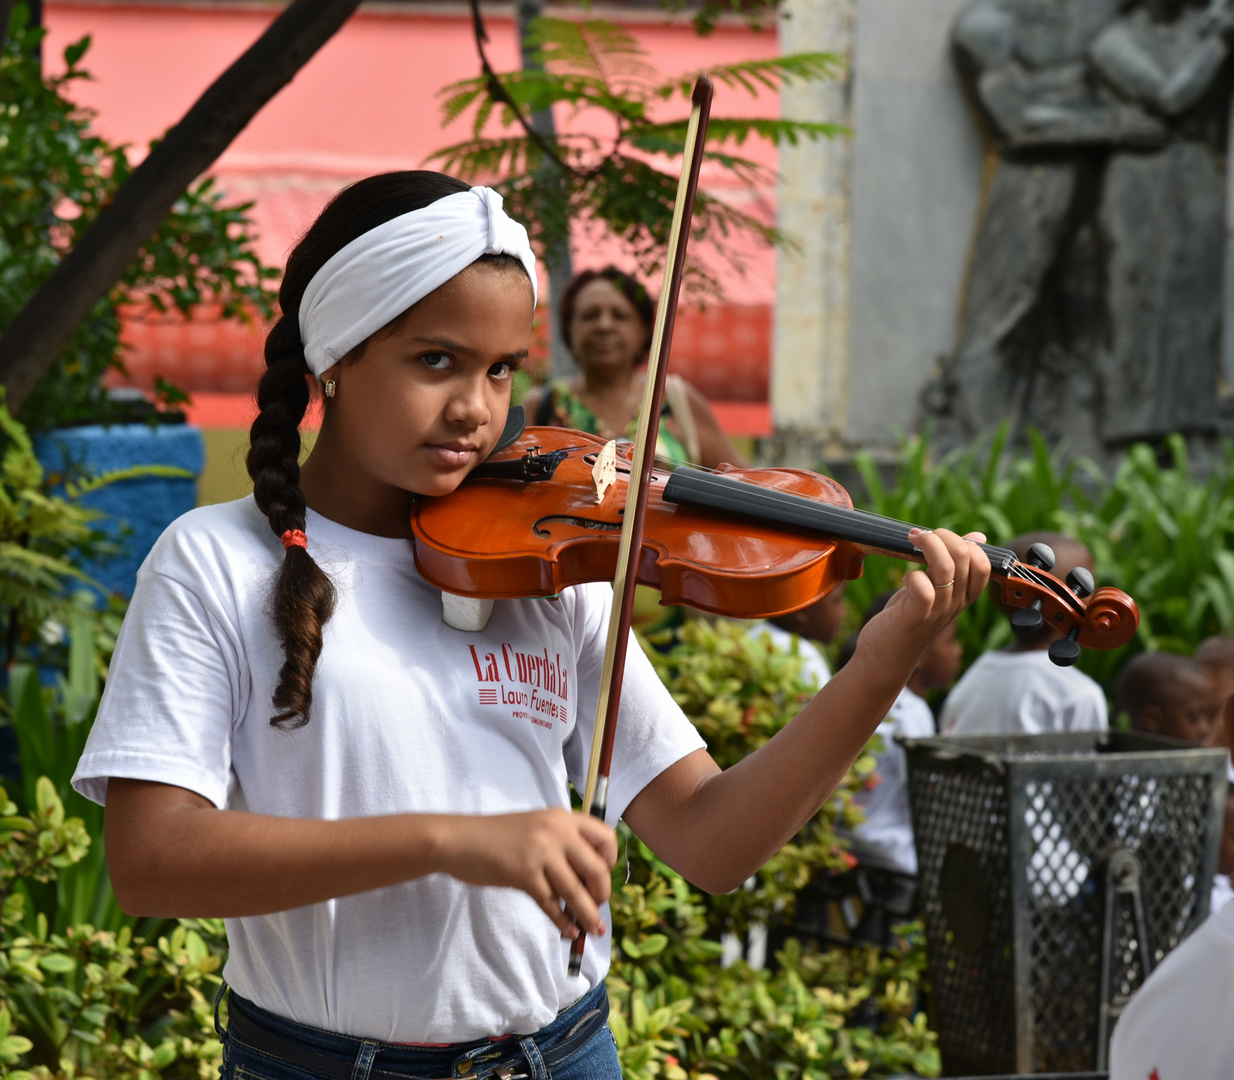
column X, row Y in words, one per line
column 303, row 598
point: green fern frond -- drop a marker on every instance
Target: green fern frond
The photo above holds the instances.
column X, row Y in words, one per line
column 75, row 489
column 770, row 73
column 485, row 158
column 458, row 98
column 735, row 129
column 594, row 47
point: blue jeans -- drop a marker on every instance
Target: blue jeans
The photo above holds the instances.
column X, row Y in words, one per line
column 287, row 1050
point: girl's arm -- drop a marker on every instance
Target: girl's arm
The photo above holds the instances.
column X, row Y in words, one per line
column 716, row 828
column 172, row 852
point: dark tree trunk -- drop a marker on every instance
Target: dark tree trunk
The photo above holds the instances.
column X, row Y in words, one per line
column 34, row 338
column 6, row 14
column 557, row 258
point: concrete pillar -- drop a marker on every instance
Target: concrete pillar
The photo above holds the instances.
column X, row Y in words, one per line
column 1226, row 385
column 810, row 352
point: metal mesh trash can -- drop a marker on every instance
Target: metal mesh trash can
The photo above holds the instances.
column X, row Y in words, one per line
column 1050, row 865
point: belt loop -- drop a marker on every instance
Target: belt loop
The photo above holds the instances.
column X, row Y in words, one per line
column 364, row 1060
column 532, row 1052
column 224, row 1041
column 218, row 1000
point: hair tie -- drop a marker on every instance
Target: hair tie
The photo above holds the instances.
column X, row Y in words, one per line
column 294, row 538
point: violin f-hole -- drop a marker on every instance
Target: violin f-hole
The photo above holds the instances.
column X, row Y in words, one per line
column 594, row 524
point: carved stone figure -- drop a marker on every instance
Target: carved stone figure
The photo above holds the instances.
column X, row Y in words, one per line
column 1093, row 300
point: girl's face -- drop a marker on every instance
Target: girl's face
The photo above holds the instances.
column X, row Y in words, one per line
column 424, row 405
column 606, row 330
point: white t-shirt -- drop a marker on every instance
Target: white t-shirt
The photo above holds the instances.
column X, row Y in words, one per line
column 814, row 663
column 1222, row 893
column 408, row 715
column 1177, row 1027
column 886, row 835
column 1022, row 693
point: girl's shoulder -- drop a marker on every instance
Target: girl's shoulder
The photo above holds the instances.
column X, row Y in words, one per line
column 210, row 539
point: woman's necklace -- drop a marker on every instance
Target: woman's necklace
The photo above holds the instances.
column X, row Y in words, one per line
column 605, row 427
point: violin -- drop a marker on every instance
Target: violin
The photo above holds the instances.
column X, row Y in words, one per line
column 744, row 543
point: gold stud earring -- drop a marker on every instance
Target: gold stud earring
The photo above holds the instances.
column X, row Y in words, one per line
column 328, row 387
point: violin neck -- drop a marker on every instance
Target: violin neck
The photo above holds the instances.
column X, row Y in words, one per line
column 876, row 535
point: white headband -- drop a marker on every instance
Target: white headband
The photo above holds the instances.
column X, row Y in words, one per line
column 380, row 274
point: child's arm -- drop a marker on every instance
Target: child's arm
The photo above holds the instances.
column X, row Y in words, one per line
column 172, row 852
column 716, row 828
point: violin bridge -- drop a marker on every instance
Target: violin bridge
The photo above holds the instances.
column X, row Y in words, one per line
column 604, row 471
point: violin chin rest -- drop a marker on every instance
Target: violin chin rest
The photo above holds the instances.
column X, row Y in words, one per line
column 465, row 612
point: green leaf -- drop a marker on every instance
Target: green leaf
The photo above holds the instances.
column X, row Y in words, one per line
column 164, row 1055
column 652, row 945
column 48, row 802
column 58, row 963
column 74, row 52
column 12, row 1047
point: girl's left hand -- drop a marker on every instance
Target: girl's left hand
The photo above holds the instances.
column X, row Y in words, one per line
column 955, row 574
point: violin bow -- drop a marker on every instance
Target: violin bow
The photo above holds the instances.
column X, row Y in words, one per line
column 595, row 795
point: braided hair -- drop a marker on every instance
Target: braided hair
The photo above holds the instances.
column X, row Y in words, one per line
column 304, row 596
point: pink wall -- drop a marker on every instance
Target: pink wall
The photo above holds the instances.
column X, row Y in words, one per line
column 365, row 103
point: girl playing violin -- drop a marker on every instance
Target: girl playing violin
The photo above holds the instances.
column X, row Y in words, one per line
column 292, row 739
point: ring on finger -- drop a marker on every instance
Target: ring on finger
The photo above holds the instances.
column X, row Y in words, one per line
column 947, row 586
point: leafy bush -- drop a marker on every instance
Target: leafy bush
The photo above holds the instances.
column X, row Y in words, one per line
column 45, row 537
column 88, row 1002
column 51, row 724
column 1159, row 528
column 676, row 1013
column 57, row 176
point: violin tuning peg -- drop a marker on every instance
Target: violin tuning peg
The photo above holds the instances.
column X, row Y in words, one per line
column 1040, row 556
column 1066, row 651
column 1080, row 582
column 1027, row 621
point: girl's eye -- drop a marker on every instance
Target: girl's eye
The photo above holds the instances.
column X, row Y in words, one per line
column 436, row 361
column 502, row 370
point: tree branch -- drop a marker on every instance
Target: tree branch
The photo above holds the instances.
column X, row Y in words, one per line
column 498, row 92
column 30, row 344
column 6, row 15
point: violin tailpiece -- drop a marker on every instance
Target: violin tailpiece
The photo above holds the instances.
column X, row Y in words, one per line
column 604, row 471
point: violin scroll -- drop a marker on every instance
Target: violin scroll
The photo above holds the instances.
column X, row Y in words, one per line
column 1110, row 618
column 1102, row 618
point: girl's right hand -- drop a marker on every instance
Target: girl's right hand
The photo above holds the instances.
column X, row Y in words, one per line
column 555, row 856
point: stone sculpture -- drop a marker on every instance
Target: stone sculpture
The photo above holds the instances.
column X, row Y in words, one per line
column 1093, row 302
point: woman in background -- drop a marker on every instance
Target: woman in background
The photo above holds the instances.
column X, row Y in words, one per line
column 606, row 321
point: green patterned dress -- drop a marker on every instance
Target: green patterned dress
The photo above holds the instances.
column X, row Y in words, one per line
column 569, row 411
